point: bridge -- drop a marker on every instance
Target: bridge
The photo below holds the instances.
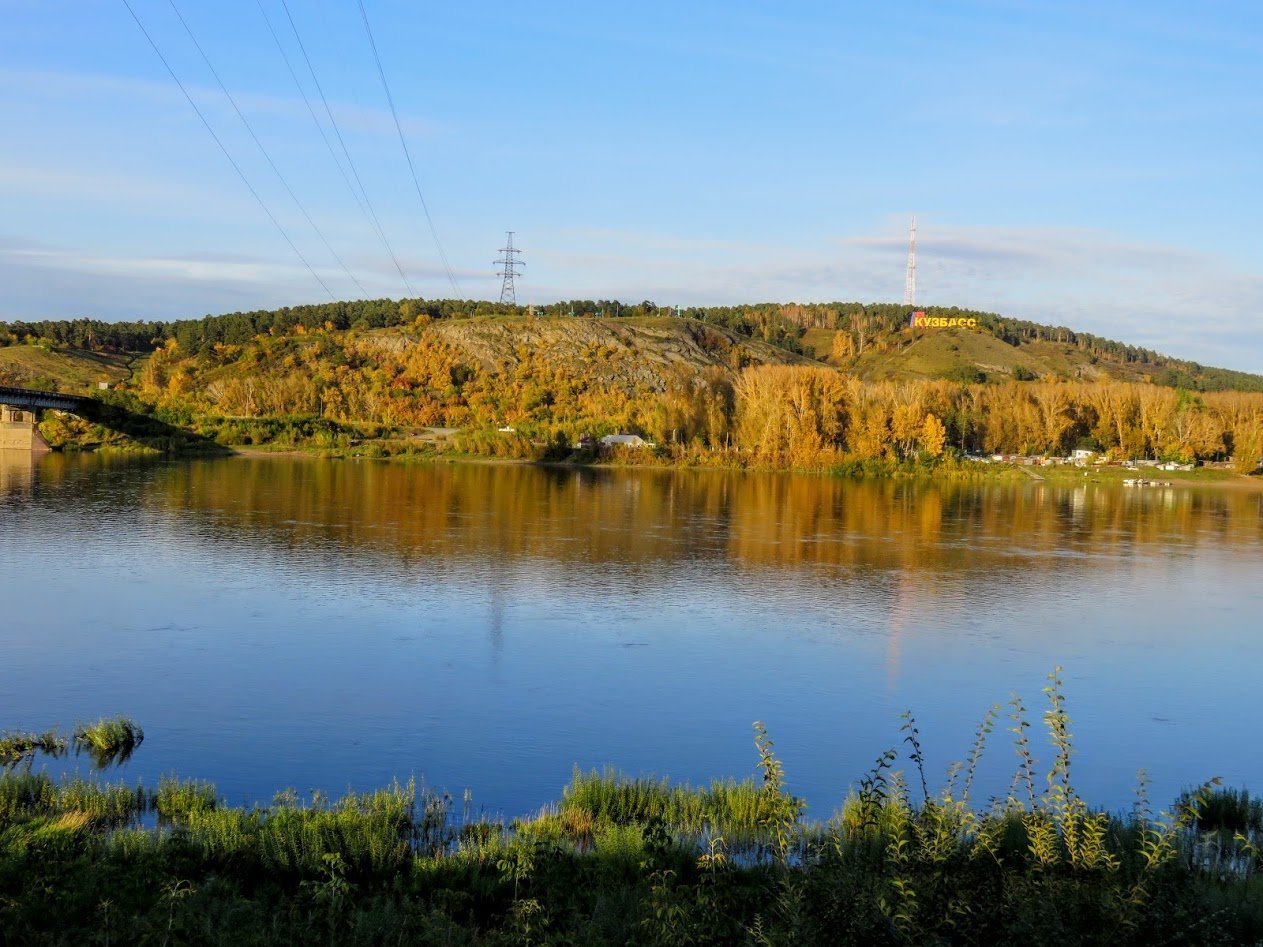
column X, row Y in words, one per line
column 17, row 418
column 31, row 400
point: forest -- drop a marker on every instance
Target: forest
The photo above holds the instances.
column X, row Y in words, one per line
column 857, row 327
column 725, row 386
column 764, row 415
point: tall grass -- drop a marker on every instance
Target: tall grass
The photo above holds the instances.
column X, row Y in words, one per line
column 109, row 741
column 728, row 806
column 371, row 834
column 15, row 746
column 638, row 859
column 25, row 795
column 176, row 798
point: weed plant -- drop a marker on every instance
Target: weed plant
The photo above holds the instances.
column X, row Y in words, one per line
column 639, row 860
column 16, row 746
column 110, row 741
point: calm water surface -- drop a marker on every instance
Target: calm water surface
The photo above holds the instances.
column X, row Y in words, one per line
column 278, row 622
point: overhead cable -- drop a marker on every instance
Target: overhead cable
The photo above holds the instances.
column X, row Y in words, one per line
column 241, row 174
column 451, row 277
column 223, row 88
column 345, row 151
column 280, row 47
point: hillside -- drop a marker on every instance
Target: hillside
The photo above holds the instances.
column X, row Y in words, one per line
column 73, row 370
column 875, row 342
column 872, row 341
column 548, row 377
column 727, row 387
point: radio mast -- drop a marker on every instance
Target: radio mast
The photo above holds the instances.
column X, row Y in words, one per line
column 910, row 281
column 508, row 262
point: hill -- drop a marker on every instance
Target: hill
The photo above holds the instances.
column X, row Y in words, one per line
column 70, row 370
column 876, row 342
column 872, row 341
column 544, row 375
column 732, row 385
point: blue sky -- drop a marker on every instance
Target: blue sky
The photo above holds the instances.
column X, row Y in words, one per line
column 1090, row 164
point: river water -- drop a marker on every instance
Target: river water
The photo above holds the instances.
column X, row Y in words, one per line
column 288, row 622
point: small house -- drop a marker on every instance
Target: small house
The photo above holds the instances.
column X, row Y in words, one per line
column 623, row 440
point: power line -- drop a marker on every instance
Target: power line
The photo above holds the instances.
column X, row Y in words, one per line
column 451, row 277
column 310, row 110
column 350, row 162
column 223, row 88
column 241, row 174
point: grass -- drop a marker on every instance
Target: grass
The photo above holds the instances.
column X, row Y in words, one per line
column 36, row 366
column 177, row 799
column 109, row 741
column 15, row 746
column 641, row 860
column 1076, row 476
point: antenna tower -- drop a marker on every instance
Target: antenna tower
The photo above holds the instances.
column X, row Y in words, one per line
column 508, row 262
column 910, row 282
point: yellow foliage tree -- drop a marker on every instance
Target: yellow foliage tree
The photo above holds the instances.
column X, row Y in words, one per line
column 933, row 436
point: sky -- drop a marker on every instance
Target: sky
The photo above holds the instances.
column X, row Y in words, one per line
column 1095, row 165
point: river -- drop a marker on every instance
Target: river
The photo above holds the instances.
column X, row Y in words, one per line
column 280, row 622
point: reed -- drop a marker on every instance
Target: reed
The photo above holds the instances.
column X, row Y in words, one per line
column 24, row 794
column 623, row 859
column 176, row 798
column 106, row 804
column 728, row 806
column 15, row 746
column 1228, row 810
column 109, row 741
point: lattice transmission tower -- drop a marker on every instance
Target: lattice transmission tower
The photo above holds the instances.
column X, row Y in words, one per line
column 508, row 263
column 910, row 281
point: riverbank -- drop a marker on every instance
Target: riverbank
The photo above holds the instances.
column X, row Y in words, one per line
column 619, row 860
column 950, row 470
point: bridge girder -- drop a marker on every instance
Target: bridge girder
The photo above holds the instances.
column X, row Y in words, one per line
column 31, row 399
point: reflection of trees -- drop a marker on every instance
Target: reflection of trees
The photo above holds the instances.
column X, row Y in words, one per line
column 582, row 517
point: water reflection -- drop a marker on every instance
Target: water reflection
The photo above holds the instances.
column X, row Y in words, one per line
column 17, row 472
column 491, row 625
column 591, row 518
column 23, row 750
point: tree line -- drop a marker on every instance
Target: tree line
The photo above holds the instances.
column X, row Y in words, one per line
column 858, row 328
column 770, row 415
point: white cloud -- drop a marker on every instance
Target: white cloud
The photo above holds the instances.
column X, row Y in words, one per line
column 1178, row 301
column 27, row 180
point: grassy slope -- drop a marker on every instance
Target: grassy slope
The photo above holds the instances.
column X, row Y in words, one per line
column 932, row 353
column 33, row 366
column 936, row 353
column 646, row 347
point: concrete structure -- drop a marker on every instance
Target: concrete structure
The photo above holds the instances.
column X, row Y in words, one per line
column 18, row 430
column 17, row 415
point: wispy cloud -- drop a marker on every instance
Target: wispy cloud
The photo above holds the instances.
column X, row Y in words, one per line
column 1181, row 302
column 77, row 88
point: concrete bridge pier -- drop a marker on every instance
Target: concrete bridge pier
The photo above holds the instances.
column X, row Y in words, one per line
column 18, row 430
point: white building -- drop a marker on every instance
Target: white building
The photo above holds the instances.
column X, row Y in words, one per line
column 623, row 440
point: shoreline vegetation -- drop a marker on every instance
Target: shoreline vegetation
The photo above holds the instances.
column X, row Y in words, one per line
column 623, row 860
column 950, row 468
column 840, row 388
